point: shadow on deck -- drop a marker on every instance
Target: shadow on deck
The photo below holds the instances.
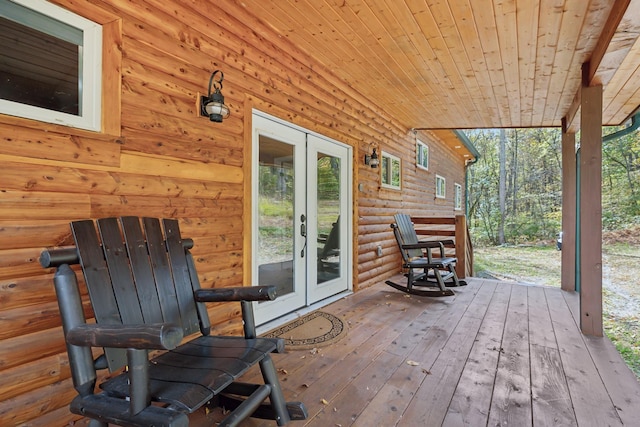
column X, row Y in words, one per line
column 496, row 353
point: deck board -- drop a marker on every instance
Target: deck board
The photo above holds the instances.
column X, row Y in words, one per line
column 495, row 353
column 472, row 397
column 511, row 402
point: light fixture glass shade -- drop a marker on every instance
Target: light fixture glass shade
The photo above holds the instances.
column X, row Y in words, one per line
column 216, row 111
column 374, row 162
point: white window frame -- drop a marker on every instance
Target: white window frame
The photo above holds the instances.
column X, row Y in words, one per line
column 441, row 187
column 90, row 72
column 457, row 196
column 386, row 181
column 422, row 155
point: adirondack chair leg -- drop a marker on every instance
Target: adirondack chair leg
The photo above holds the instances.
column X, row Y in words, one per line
column 69, row 302
column 139, row 380
column 277, row 398
column 456, row 281
column 247, row 407
column 439, row 279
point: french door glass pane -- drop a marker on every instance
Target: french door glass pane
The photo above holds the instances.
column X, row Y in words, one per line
column 328, row 204
column 276, row 214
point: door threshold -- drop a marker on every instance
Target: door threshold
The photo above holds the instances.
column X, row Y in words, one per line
column 272, row 324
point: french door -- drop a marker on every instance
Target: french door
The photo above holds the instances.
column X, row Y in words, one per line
column 301, row 217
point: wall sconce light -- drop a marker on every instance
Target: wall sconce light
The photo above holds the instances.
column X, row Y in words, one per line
column 212, row 105
column 372, row 160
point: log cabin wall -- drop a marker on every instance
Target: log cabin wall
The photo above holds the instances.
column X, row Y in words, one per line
column 156, row 157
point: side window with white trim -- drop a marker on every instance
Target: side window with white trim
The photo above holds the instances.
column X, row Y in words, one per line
column 441, row 186
column 457, row 201
column 422, row 155
column 52, row 64
column 390, row 169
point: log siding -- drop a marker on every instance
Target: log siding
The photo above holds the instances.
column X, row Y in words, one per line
column 156, row 157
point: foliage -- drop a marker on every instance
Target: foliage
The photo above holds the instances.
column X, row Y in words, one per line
column 533, row 185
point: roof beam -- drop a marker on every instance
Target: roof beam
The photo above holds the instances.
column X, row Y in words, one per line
column 617, row 12
column 590, row 68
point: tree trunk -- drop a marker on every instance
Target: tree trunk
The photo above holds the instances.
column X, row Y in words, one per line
column 502, row 191
column 514, row 210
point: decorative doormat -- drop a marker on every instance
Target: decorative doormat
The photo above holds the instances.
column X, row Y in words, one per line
column 316, row 329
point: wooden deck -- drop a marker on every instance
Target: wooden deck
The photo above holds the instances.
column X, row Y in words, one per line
column 495, row 354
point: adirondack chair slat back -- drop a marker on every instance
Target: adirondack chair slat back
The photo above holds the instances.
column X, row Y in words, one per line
column 406, row 235
column 138, row 275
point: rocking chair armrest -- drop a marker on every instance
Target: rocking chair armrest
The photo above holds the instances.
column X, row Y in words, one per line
column 422, row 245
column 157, row 336
column 239, row 293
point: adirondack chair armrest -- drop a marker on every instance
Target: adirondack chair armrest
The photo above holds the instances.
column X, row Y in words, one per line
column 158, row 336
column 240, row 293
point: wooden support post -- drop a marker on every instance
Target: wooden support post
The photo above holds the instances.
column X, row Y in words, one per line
column 461, row 246
column 590, row 211
column 568, row 275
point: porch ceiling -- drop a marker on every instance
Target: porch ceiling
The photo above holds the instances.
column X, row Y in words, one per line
column 456, row 64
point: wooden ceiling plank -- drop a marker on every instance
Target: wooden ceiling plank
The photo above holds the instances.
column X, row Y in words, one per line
column 485, row 20
column 622, row 42
column 382, row 69
column 548, row 33
column 460, row 63
column 404, row 51
column 427, row 65
column 457, row 54
column 470, row 40
column 506, row 24
column 422, row 36
column 593, row 23
column 619, row 64
column 568, row 55
column 351, row 58
column 623, row 99
column 527, row 14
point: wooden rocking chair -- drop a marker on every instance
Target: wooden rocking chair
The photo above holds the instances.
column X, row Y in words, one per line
column 424, row 270
column 146, row 296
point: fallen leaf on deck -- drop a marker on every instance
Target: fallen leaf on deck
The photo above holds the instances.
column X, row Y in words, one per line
column 324, row 401
column 412, row 363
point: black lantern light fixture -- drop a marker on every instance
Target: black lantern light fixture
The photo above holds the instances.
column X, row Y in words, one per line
column 212, row 105
column 372, row 160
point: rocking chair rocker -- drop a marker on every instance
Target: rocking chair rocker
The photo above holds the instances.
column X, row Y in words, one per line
column 436, row 273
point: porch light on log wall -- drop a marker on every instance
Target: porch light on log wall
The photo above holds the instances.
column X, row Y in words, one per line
column 372, row 160
column 212, row 105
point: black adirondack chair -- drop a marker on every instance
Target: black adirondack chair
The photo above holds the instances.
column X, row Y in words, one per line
column 427, row 275
column 329, row 253
column 145, row 294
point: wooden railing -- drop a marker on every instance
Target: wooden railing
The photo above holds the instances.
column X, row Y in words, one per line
column 449, row 228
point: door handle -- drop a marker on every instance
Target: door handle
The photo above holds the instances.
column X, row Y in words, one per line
column 303, row 233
